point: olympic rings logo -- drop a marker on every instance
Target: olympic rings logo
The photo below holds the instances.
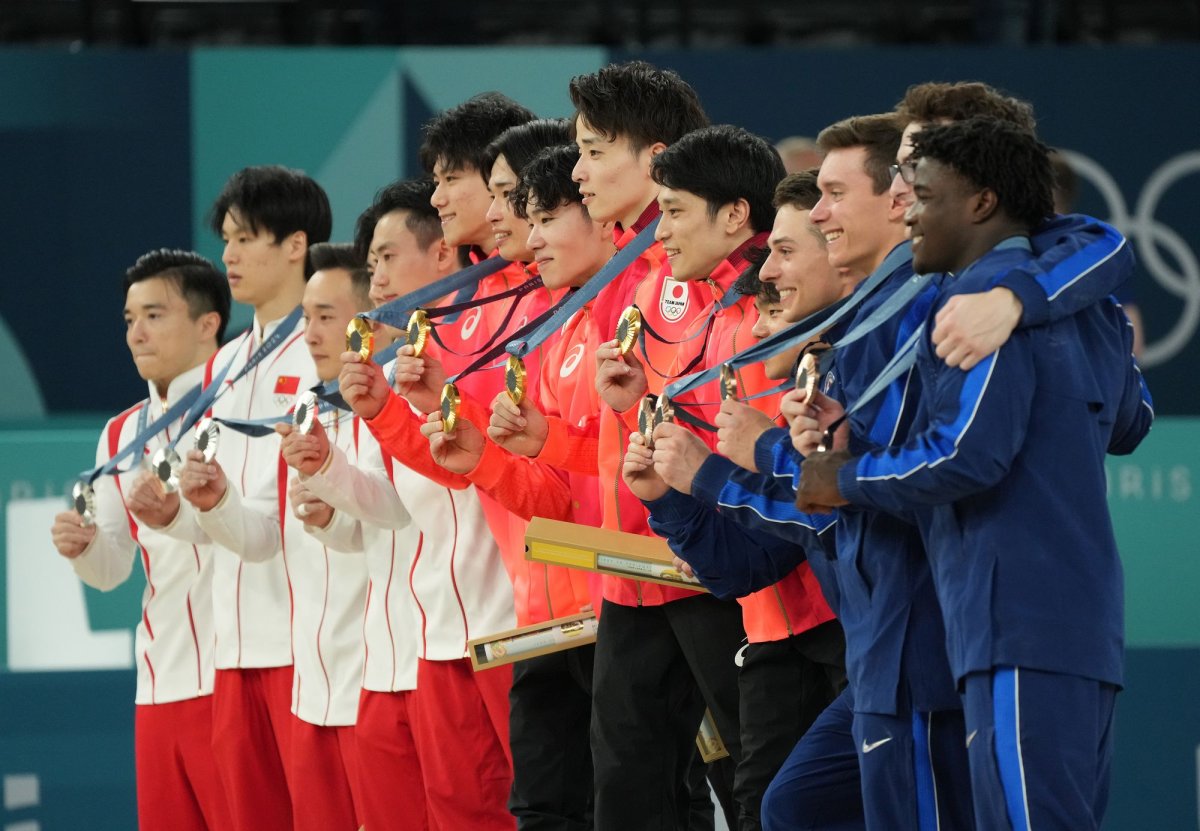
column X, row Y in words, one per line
column 1181, row 280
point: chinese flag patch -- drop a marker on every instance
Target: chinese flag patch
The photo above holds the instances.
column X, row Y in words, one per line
column 287, row 384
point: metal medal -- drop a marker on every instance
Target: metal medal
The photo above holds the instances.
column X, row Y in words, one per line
column 418, row 331
column 83, row 500
column 166, row 465
column 360, row 338
column 629, row 327
column 728, row 383
column 304, row 414
column 449, row 405
column 207, row 437
column 515, row 379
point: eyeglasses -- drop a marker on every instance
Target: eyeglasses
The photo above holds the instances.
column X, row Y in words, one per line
column 907, row 172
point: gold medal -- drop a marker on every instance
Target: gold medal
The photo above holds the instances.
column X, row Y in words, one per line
column 664, row 413
column 208, row 435
column 83, row 500
column 166, row 465
column 728, row 383
column 646, row 419
column 418, row 331
column 629, row 327
column 304, row 414
column 515, row 379
column 360, row 338
column 450, row 404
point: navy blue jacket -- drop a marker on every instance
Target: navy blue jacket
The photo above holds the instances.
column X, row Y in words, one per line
column 1009, row 459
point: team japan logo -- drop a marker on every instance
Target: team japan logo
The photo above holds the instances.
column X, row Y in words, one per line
column 673, row 301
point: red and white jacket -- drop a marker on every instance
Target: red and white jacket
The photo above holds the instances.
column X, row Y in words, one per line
column 370, row 517
column 252, row 604
column 174, row 638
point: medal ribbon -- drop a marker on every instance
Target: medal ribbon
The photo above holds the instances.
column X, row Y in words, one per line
column 395, row 313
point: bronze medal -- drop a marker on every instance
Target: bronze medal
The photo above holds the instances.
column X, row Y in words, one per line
column 664, row 413
column 808, row 376
column 629, row 327
column 304, row 414
column 515, row 379
column 728, row 383
column 418, row 332
column 360, row 338
column 646, row 419
column 208, row 435
column 83, row 500
column 450, row 405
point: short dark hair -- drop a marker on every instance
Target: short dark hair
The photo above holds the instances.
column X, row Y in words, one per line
column 639, row 102
column 521, row 143
column 934, row 101
column 546, row 181
column 748, row 285
column 999, row 156
column 330, row 255
column 879, row 135
column 722, row 164
column 798, row 190
column 275, row 199
column 409, row 195
column 458, row 136
column 203, row 286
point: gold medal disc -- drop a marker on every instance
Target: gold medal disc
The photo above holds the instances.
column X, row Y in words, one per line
column 515, row 379
column 664, row 413
column 418, row 332
column 728, row 383
column 646, row 419
column 304, row 413
column 208, row 435
column 629, row 327
column 450, row 405
column 83, row 500
column 360, row 338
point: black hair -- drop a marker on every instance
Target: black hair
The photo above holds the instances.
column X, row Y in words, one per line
column 203, row 286
column 546, row 181
column 458, row 136
column 999, row 156
column 878, row 135
column 748, row 284
column 721, row 165
column 409, row 195
column 521, row 143
column 330, row 255
column 639, row 102
column 275, row 199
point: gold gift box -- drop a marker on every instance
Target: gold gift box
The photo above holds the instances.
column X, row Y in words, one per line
column 532, row 640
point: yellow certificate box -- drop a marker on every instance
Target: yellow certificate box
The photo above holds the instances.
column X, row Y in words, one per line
column 605, row 551
column 533, row 640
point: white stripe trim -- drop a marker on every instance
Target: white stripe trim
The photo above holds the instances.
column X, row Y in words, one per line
column 1020, row 754
column 937, row 808
column 1088, row 271
column 776, row 521
column 957, row 439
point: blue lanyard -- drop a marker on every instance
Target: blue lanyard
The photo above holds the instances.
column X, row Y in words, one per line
column 145, row 433
column 575, row 301
column 395, row 313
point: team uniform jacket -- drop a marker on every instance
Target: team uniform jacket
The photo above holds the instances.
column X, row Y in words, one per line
column 173, row 645
column 1010, row 456
column 370, row 517
column 886, row 598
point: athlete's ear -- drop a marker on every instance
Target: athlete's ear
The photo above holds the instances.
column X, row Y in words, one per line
column 737, row 214
column 295, row 246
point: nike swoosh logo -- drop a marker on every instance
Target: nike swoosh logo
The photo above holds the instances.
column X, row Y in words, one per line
column 971, row 737
column 867, row 748
column 739, row 657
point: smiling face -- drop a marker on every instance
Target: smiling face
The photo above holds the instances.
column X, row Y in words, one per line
column 568, row 246
column 399, row 263
column 613, row 179
column 694, row 241
column 509, row 231
column 798, row 265
column 855, row 221
column 329, row 303
column 461, row 198
column 771, row 319
column 939, row 219
column 162, row 337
